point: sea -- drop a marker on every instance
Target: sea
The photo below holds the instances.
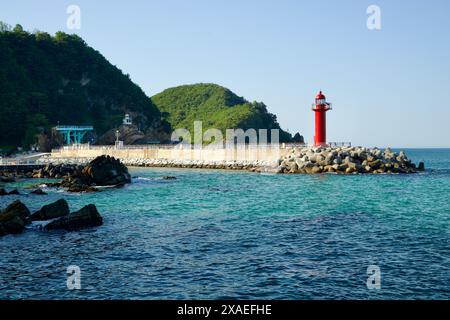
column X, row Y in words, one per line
column 217, row 234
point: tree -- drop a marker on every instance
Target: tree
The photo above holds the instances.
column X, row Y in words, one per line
column 4, row 27
column 18, row 29
column 298, row 138
column 45, row 76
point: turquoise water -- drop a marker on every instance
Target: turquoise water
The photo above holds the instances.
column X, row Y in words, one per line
column 225, row 234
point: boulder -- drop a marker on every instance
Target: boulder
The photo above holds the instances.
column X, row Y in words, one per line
column 169, row 178
column 14, row 218
column 53, row 210
column 86, row 217
column 316, row 169
column 421, row 166
column 14, row 192
column 38, row 191
column 102, row 171
column 3, row 192
column 7, row 179
column 106, row 171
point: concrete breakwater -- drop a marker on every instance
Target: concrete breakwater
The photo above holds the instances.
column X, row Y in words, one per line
column 346, row 160
column 295, row 159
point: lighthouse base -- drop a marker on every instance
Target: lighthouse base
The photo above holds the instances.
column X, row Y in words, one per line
column 345, row 160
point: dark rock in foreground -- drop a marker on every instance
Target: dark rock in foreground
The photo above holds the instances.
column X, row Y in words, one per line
column 84, row 218
column 53, row 210
column 14, row 218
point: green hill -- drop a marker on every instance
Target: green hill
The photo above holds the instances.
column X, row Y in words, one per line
column 216, row 106
column 46, row 80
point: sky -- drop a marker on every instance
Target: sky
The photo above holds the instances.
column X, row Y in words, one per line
column 389, row 86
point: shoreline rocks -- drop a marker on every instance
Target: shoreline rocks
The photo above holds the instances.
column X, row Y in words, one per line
column 16, row 216
column 102, row 171
column 3, row 192
column 53, row 210
column 86, row 217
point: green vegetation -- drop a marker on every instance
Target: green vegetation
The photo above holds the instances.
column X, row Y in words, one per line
column 216, row 107
column 46, row 80
column 49, row 80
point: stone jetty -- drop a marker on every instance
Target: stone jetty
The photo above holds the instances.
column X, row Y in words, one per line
column 346, row 160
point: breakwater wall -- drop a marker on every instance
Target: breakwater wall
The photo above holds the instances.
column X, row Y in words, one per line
column 163, row 155
column 279, row 159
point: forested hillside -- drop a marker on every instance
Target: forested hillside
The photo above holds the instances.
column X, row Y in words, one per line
column 46, row 80
column 216, row 106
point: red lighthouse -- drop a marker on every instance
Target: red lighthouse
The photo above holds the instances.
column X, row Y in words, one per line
column 320, row 108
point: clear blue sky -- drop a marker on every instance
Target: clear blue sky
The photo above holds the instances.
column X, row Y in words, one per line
column 389, row 87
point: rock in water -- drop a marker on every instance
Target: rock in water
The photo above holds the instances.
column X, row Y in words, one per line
column 38, row 191
column 53, row 210
column 3, row 192
column 106, row 171
column 84, row 218
column 102, row 171
column 14, row 218
column 7, row 179
column 14, row 192
column 421, row 166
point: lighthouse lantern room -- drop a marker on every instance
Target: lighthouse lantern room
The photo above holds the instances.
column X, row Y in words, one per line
column 320, row 108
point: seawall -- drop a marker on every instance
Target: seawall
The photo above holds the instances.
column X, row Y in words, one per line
column 279, row 158
column 249, row 157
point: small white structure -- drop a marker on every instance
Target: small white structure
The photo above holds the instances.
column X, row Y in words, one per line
column 119, row 143
column 127, row 120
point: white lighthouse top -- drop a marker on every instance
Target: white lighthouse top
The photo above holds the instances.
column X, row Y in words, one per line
column 127, row 120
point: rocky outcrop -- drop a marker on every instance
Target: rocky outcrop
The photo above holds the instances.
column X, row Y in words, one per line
column 53, row 210
column 106, row 171
column 38, row 192
column 346, row 160
column 102, row 171
column 84, row 218
column 14, row 192
column 3, row 192
column 58, row 171
column 14, row 218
